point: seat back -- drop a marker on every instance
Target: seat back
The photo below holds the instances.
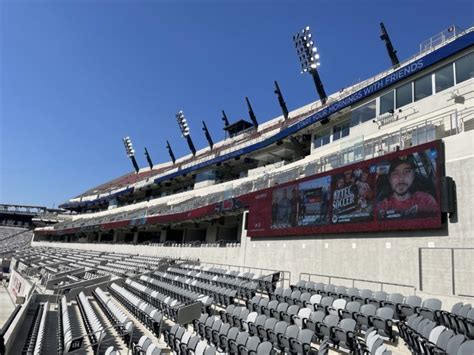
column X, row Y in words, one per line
column 264, row 348
column 315, row 299
column 331, row 320
column 252, row 343
column 339, row 303
column 435, row 333
column 413, row 300
column 326, row 301
column 368, row 309
column 347, row 324
column 455, row 343
column 432, row 303
column 352, row 306
column 466, row 348
column 384, row 313
column 395, row 298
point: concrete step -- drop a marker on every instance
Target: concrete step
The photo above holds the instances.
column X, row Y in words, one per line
column 50, row 340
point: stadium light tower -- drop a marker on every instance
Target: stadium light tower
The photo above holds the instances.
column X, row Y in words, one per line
column 127, row 142
column 170, row 151
column 252, row 116
column 148, row 158
column 392, row 53
column 225, row 119
column 207, row 134
column 309, row 59
column 183, row 126
column 281, row 100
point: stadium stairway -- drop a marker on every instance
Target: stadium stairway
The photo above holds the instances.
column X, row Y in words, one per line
column 50, row 339
column 78, row 327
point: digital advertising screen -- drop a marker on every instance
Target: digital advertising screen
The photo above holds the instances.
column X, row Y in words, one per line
column 397, row 191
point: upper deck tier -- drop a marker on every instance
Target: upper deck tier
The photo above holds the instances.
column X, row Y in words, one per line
column 277, row 129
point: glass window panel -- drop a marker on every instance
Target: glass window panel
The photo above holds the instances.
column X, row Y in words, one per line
column 404, row 95
column 465, row 68
column 387, row 102
column 340, row 131
column 423, row 87
column 363, row 113
column 444, row 78
column 322, row 138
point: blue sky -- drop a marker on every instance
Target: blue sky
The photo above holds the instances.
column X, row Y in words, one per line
column 77, row 76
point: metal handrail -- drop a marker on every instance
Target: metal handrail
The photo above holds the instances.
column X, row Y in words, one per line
column 354, row 280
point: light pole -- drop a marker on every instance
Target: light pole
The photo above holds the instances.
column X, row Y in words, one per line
column 207, row 134
column 281, row 100
column 170, row 152
column 183, row 126
column 127, row 142
column 392, row 53
column 148, row 158
column 309, row 59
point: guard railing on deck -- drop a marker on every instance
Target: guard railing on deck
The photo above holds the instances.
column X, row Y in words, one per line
column 333, row 280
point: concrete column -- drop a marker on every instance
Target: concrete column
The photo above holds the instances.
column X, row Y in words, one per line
column 163, row 235
column 135, row 237
column 99, row 237
column 115, row 236
column 211, row 233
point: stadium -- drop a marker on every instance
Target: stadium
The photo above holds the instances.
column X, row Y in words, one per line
column 344, row 226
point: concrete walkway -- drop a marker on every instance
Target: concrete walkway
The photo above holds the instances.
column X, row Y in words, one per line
column 6, row 305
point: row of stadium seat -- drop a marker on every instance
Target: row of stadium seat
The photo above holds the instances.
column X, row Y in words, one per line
column 265, row 282
column 221, row 295
column 424, row 336
column 401, row 305
column 147, row 314
column 244, row 288
column 64, row 327
column 94, row 327
column 460, row 319
column 181, row 294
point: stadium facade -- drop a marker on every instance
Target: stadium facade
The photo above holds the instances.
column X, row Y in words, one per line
column 271, row 192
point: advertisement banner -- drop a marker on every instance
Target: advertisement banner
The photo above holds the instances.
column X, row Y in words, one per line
column 394, row 192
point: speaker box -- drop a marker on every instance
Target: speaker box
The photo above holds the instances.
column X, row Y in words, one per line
column 448, row 195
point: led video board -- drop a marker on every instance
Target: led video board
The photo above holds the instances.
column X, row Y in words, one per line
column 397, row 191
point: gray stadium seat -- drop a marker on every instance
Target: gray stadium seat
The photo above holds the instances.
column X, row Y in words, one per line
column 466, row 348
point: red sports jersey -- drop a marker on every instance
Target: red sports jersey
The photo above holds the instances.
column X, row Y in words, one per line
column 419, row 204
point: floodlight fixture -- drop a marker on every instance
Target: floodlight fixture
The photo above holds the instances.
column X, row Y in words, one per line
column 309, row 59
column 127, row 142
column 183, row 126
